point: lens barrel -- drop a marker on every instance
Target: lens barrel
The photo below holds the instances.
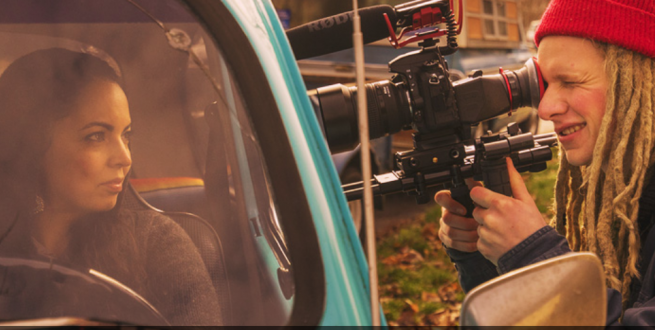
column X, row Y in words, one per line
column 478, row 98
column 336, row 107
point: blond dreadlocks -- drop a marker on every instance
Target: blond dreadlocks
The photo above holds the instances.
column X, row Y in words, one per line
column 601, row 201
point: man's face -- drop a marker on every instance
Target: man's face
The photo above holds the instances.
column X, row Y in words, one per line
column 575, row 98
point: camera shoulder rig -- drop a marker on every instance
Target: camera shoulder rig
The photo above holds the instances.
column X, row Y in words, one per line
column 447, row 165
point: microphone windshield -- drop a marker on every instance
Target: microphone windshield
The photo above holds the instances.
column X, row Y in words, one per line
column 335, row 33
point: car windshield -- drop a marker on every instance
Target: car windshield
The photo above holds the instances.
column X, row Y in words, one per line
column 133, row 185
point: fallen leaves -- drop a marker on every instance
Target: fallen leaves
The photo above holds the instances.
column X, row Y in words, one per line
column 449, row 292
column 431, row 297
column 418, row 285
column 411, row 316
column 412, row 306
column 406, row 258
column 444, row 317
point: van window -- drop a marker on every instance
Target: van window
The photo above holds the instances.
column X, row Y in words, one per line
column 134, row 189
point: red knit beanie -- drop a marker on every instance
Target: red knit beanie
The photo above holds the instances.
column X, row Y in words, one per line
column 626, row 23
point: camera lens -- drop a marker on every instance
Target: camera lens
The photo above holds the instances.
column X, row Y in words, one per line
column 477, row 99
column 336, row 107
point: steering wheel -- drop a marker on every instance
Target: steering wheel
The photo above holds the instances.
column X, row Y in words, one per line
column 33, row 289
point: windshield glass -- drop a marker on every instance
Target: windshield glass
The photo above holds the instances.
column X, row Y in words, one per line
column 133, row 186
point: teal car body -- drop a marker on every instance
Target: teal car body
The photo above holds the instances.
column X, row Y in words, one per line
column 346, row 276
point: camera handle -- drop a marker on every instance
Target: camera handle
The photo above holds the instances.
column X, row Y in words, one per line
column 495, row 178
column 460, row 191
column 493, row 150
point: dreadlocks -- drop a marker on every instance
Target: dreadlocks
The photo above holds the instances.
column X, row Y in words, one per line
column 601, row 201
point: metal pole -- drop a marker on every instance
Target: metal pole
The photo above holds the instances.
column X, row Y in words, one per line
column 358, row 42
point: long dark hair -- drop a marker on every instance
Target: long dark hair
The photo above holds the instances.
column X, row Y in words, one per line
column 35, row 91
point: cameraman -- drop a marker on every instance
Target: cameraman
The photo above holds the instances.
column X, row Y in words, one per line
column 597, row 57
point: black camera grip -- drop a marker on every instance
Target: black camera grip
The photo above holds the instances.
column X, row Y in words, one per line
column 462, row 196
column 496, row 177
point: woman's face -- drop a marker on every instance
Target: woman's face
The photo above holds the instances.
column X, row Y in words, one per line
column 575, row 98
column 89, row 158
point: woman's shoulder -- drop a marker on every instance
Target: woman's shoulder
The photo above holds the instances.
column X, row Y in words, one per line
column 143, row 215
column 149, row 222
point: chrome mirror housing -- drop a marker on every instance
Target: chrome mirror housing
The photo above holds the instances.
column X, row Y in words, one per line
column 567, row 290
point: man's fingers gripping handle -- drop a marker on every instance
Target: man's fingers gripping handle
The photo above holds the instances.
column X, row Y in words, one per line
column 462, row 196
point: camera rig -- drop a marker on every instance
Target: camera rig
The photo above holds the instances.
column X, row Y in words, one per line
column 484, row 161
column 421, row 96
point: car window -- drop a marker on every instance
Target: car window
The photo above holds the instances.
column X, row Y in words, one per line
column 134, row 186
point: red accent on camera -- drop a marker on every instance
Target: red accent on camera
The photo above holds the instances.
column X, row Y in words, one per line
column 509, row 91
column 396, row 41
column 542, row 88
column 460, row 17
column 426, row 17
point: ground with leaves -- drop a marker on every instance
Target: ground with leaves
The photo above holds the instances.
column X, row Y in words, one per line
column 418, row 283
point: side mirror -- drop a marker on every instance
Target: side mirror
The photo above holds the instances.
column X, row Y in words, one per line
column 567, row 290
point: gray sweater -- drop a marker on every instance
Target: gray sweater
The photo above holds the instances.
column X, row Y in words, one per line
column 147, row 252
column 177, row 282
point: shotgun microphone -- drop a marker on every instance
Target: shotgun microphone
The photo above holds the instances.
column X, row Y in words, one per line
column 335, row 33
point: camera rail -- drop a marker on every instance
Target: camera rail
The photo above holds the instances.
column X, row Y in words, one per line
column 530, row 159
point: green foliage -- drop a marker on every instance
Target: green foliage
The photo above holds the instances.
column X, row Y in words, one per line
column 542, row 184
column 412, row 238
column 433, row 214
column 393, row 308
column 430, row 307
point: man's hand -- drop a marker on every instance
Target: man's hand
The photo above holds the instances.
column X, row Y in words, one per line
column 456, row 231
column 504, row 222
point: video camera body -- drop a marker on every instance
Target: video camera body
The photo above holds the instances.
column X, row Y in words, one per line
column 421, row 96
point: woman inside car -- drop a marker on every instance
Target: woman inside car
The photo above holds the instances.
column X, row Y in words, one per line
column 65, row 131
